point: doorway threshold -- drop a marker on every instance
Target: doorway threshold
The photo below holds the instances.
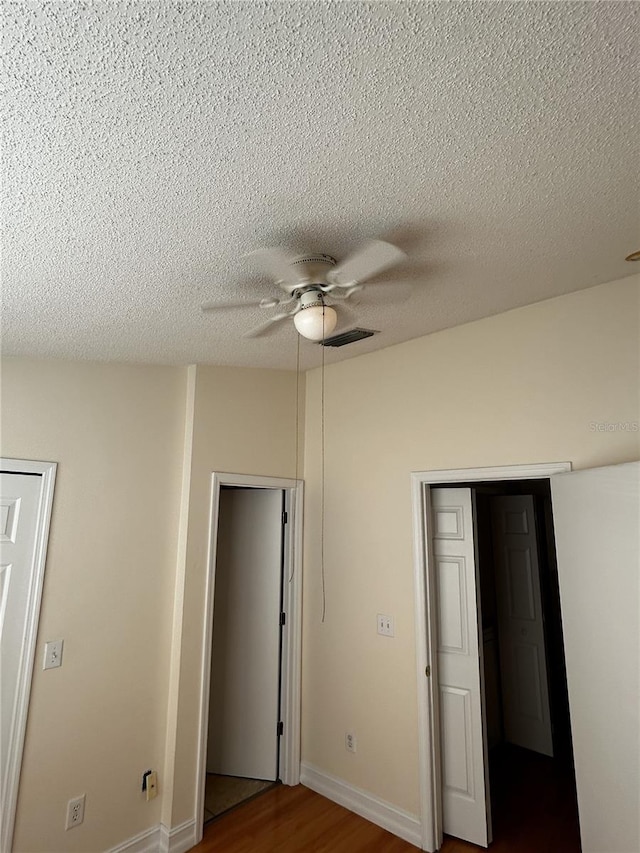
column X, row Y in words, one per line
column 224, row 793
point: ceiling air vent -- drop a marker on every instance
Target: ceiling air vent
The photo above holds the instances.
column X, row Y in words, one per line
column 348, row 337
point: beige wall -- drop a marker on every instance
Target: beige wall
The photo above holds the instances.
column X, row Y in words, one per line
column 244, row 422
column 126, row 572
column 97, row 723
column 125, row 576
column 525, row 386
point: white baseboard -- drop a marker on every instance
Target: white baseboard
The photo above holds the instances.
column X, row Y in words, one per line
column 145, row 842
column 160, row 839
column 179, row 839
column 389, row 817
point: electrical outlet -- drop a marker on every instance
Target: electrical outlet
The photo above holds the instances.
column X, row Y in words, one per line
column 75, row 812
column 53, row 654
column 350, row 743
column 385, row 625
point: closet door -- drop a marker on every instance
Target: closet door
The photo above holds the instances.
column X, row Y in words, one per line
column 525, row 687
column 245, row 663
column 465, row 792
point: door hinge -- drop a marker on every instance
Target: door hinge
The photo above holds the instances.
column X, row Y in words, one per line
column 427, row 671
column 280, row 728
column 285, row 517
column 283, row 619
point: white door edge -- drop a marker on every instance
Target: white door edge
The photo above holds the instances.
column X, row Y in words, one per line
column 47, row 472
column 428, row 711
column 428, row 706
column 292, row 639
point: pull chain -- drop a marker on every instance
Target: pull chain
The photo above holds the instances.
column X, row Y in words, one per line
column 324, row 590
column 297, row 445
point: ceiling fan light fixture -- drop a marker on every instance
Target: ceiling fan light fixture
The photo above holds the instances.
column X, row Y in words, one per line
column 307, row 279
column 315, row 322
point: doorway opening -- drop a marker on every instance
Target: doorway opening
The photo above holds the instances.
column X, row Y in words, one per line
column 243, row 744
column 449, row 651
column 250, row 712
column 529, row 754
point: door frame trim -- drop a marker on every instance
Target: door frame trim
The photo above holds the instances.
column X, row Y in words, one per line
column 429, row 763
column 47, row 472
column 292, row 640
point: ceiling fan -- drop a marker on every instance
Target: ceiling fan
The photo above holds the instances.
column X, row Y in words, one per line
column 310, row 283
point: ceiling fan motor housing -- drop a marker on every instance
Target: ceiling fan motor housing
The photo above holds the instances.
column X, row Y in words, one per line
column 308, row 270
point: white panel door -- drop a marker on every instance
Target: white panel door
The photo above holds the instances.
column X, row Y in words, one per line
column 523, row 665
column 245, row 666
column 19, row 510
column 596, row 517
column 465, row 792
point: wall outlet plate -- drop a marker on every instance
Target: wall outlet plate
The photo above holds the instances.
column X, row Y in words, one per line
column 350, row 743
column 75, row 811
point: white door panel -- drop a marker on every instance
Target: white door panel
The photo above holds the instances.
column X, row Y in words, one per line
column 245, row 662
column 465, row 797
column 525, row 691
column 596, row 517
column 20, row 499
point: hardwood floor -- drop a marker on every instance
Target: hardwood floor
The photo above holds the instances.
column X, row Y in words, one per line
column 292, row 820
column 533, row 802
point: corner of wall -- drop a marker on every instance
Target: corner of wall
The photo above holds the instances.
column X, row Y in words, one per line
column 178, row 605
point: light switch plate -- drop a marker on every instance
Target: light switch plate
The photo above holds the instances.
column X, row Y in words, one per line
column 53, row 654
column 385, row 625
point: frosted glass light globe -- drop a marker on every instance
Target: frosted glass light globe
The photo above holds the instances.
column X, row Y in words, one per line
column 316, row 322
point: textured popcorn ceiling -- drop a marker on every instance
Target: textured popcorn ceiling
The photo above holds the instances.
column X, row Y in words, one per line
column 149, row 145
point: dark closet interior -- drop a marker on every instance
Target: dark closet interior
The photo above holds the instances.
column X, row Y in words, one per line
column 550, row 595
column 533, row 795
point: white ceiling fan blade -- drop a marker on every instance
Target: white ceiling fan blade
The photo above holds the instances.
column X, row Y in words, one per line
column 268, row 325
column 275, row 262
column 338, row 292
column 267, row 302
column 372, row 258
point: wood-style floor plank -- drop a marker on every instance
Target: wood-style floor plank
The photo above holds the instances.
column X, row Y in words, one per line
column 534, row 803
column 292, row 820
